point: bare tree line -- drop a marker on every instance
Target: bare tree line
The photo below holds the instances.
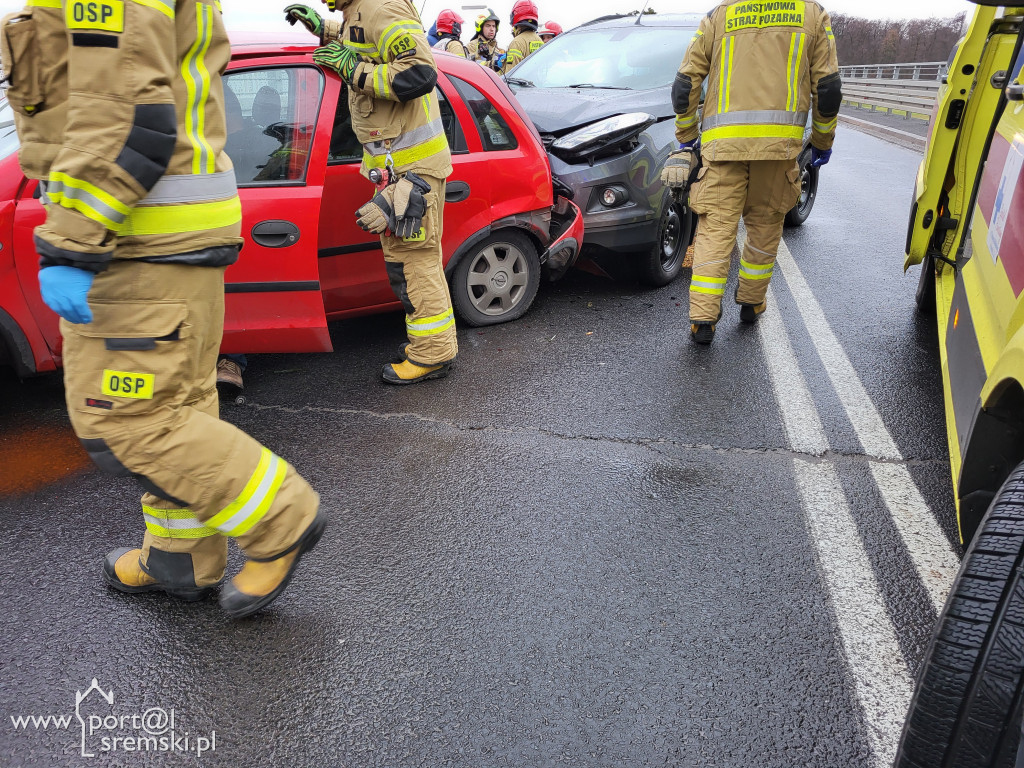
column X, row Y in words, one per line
column 885, row 41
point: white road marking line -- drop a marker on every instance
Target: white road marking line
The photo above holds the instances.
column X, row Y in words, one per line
column 873, row 654
column 935, row 562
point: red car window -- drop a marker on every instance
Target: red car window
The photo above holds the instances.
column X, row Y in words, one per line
column 495, row 133
column 271, row 118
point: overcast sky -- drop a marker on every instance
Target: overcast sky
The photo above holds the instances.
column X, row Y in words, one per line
column 268, row 14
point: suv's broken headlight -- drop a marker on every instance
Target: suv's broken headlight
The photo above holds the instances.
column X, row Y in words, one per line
column 593, row 138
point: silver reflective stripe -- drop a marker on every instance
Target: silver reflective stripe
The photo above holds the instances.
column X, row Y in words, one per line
column 407, row 140
column 267, row 486
column 182, row 524
column 42, row 193
column 60, row 189
column 755, row 117
column 752, row 270
column 172, row 190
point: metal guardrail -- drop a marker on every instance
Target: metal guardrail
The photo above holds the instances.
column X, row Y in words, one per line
column 920, row 70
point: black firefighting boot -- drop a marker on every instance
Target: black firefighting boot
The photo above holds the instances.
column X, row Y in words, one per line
column 403, row 350
column 407, row 372
column 750, row 312
column 703, row 331
column 122, row 570
column 259, row 582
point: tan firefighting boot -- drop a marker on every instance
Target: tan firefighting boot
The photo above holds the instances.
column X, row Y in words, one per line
column 410, row 373
column 260, row 581
column 122, row 570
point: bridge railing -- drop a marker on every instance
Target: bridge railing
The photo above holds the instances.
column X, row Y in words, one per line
column 920, row 70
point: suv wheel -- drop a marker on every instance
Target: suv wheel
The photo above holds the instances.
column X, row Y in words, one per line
column 497, row 281
column 664, row 261
column 967, row 706
column 808, row 191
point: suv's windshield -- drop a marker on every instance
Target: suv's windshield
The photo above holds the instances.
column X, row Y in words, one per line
column 622, row 57
column 8, row 137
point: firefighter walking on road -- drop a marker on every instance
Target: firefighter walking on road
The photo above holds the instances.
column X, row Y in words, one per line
column 381, row 53
column 766, row 70
column 120, row 113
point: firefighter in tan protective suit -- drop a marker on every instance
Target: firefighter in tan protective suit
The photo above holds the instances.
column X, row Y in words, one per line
column 767, row 64
column 120, row 112
column 449, row 32
column 382, row 54
column 525, row 39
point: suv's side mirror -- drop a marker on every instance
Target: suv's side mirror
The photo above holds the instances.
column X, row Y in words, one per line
column 1015, row 92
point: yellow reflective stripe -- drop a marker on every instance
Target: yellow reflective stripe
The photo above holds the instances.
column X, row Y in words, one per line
column 426, row 105
column 755, row 271
column 43, row 4
column 366, row 49
column 721, row 78
column 430, row 326
column 826, row 127
column 753, row 132
column 175, row 523
column 254, row 500
column 728, row 78
column 197, row 88
column 713, row 286
column 682, row 122
column 796, row 52
column 381, row 82
column 513, row 55
column 699, row 33
column 158, row 5
column 204, row 73
column 789, row 71
column 406, row 156
column 174, row 219
column 389, row 35
column 88, row 199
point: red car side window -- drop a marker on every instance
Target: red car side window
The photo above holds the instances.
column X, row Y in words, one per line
column 495, row 133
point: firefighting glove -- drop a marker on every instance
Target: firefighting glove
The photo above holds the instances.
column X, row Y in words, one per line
column 820, row 157
column 65, row 291
column 336, row 56
column 676, row 173
column 310, row 19
column 410, row 205
column 378, row 215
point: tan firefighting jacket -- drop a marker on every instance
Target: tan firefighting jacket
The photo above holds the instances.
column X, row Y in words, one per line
column 394, row 109
column 451, row 45
column 491, row 46
column 119, row 108
column 525, row 42
column 767, row 63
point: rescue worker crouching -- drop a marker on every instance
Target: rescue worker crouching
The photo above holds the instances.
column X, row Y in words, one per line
column 765, row 72
column 449, row 30
column 525, row 38
column 139, row 230
column 484, row 45
column 380, row 51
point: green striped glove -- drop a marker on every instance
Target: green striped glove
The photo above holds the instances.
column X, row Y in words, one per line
column 336, row 56
column 309, row 18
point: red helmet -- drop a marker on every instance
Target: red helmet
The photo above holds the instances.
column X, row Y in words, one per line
column 449, row 23
column 552, row 28
column 524, row 10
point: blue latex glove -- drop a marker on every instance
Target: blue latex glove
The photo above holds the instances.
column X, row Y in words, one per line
column 499, row 61
column 64, row 289
column 687, row 144
column 820, row 157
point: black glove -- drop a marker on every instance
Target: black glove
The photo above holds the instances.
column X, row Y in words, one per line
column 410, row 205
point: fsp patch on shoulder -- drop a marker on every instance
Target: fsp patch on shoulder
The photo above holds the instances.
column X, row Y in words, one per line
column 138, row 386
column 105, row 15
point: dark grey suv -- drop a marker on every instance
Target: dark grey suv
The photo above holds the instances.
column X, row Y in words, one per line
column 600, row 95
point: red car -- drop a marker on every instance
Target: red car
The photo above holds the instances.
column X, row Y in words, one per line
column 305, row 261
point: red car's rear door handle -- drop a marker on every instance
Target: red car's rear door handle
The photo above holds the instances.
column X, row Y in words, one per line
column 456, row 191
column 275, row 234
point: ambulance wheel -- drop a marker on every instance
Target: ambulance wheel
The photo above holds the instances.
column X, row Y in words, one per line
column 664, row 261
column 967, row 706
column 498, row 280
column 925, row 296
column 798, row 214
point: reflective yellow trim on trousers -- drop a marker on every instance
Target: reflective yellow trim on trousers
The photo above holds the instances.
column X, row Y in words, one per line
column 254, row 500
column 713, row 286
column 175, row 524
column 430, row 326
column 412, row 155
column 753, row 132
column 174, row 219
column 167, row 9
column 755, row 271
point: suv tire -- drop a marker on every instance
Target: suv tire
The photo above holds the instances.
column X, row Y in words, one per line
column 663, row 262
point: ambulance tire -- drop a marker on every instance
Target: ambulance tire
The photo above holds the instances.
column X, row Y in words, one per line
column 663, row 262
column 925, row 296
column 497, row 280
column 967, row 706
column 798, row 214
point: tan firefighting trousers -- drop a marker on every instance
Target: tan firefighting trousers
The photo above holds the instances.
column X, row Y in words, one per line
column 762, row 191
column 140, row 382
column 416, row 271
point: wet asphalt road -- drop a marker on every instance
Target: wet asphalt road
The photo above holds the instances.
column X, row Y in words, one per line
column 587, row 547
